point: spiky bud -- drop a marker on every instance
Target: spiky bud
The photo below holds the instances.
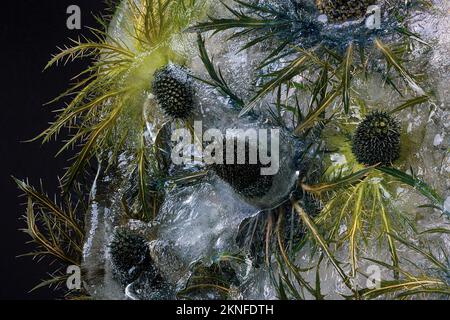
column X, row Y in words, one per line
column 246, row 179
column 129, row 254
column 173, row 91
column 377, row 140
column 344, row 10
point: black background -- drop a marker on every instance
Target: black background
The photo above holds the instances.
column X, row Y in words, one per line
column 30, row 33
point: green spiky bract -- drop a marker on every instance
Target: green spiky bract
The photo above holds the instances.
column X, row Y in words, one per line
column 377, row 140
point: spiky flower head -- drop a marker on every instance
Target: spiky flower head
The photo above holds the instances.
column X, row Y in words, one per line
column 377, row 140
column 174, row 92
column 129, row 254
column 246, row 179
column 344, row 10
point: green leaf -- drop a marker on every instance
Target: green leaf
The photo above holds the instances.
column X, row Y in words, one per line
column 217, row 81
column 347, row 78
column 241, row 20
column 435, row 230
column 281, row 292
column 428, row 255
column 411, row 103
column 338, row 183
column 312, row 117
column 416, row 183
column 278, row 78
column 405, row 286
column 394, row 61
column 321, row 241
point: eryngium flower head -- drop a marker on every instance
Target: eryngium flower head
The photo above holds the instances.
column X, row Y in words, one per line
column 344, row 10
column 173, row 90
column 129, row 254
column 377, row 140
column 246, row 179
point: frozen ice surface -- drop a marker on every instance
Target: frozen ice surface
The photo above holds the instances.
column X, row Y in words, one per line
column 447, row 204
column 100, row 222
column 432, row 155
column 202, row 220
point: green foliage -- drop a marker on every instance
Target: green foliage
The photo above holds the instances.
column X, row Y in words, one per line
column 55, row 229
column 107, row 102
column 414, row 182
column 217, row 81
column 104, row 114
column 265, row 24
